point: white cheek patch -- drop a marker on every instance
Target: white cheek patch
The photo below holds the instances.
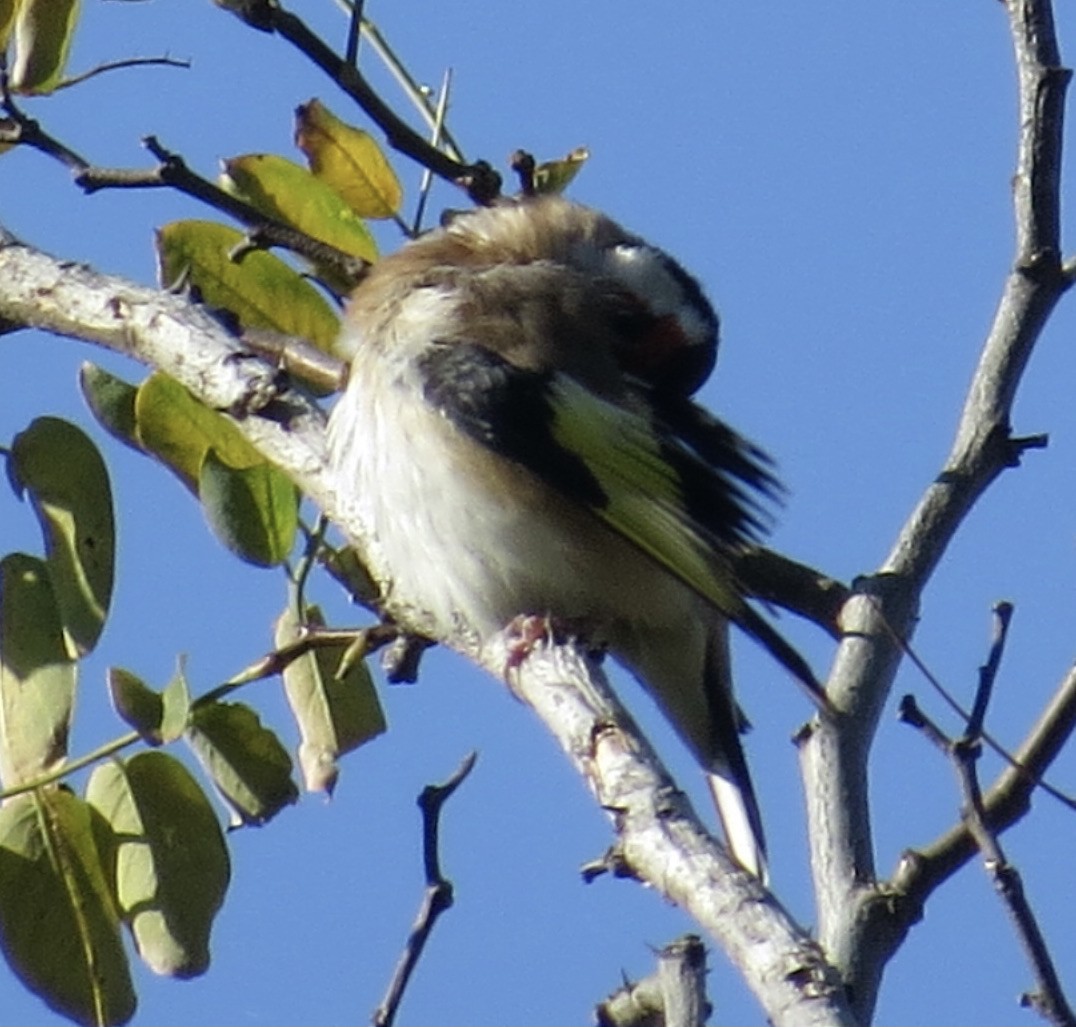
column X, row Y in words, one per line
column 645, row 271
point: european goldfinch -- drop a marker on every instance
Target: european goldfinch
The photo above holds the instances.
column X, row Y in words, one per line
column 518, row 437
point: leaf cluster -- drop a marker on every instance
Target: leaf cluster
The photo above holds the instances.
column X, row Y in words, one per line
column 141, row 848
column 137, row 847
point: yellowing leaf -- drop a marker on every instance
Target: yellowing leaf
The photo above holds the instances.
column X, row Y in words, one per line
column 554, row 176
column 37, row 675
column 288, row 192
column 261, row 290
column 58, row 924
column 171, row 863
column 335, row 715
column 41, row 41
column 180, row 430
column 254, row 511
column 349, row 160
column 60, row 468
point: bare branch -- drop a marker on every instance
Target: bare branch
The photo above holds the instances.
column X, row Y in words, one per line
column 19, row 129
column 988, row 672
column 480, row 180
column 128, row 62
column 662, row 841
column 172, row 172
column 438, row 896
column 673, row 996
column 802, row 590
column 682, row 973
column 1048, row 997
column 1005, row 802
column 417, row 94
column 323, row 372
column 834, row 755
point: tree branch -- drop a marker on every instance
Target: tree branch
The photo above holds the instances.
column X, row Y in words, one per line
column 1048, row 998
column 436, row 899
column 673, row 996
column 1004, row 803
column 172, row 172
column 776, row 579
column 859, row 925
column 480, row 180
column 660, row 838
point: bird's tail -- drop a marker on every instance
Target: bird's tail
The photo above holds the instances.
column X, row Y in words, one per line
column 741, row 820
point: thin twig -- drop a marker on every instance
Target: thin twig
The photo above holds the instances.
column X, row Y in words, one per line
column 416, row 93
column 989, row 670
column 481, row 181
column 354, row 34
column 1048, row 998
column 1014, row 760
column 128, row 62
column 23, row 130
column 435, row 140
column 436, row 899
column 174, row 173
column 70, row 766
column 921, row 872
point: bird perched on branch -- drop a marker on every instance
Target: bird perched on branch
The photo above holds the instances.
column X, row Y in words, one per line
column 518, row 436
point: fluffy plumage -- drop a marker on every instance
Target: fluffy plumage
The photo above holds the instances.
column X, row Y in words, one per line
column 518, row 435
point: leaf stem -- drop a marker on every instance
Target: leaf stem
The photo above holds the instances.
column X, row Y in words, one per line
column 62, row 771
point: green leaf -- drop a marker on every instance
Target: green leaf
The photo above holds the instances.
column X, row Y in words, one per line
column 136, row 703
column 58, row 923
column 254, row 511
column 335, row 715
column 246, row 761
column 554, row 176
column 180, row 430
column 8, row 10
column 261, row 290
column 112, row 401
column 288, row 192
column 61, row 469
column 177, row 706
column 42, row 40
column 159, row 717
column 37, row 676
column 349, row 160
column 172, row 866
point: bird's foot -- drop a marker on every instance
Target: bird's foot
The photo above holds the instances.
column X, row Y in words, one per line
column 525, row 633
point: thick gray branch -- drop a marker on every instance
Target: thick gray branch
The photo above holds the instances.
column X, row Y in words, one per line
column 661, row 840
column 170, row 333
column 860, row 923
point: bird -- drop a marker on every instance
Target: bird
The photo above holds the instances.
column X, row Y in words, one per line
column 519, row 438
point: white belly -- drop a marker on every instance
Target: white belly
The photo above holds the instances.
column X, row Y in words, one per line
column 463, row 541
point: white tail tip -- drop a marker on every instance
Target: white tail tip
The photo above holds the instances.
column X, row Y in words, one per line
column 740, row 821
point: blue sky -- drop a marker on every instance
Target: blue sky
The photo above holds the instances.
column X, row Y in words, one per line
column 838, row 177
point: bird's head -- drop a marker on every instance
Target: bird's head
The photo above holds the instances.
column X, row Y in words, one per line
column 584, row 277
column 669, row 328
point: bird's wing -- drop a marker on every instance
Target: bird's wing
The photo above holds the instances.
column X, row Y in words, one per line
column 683, row 501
